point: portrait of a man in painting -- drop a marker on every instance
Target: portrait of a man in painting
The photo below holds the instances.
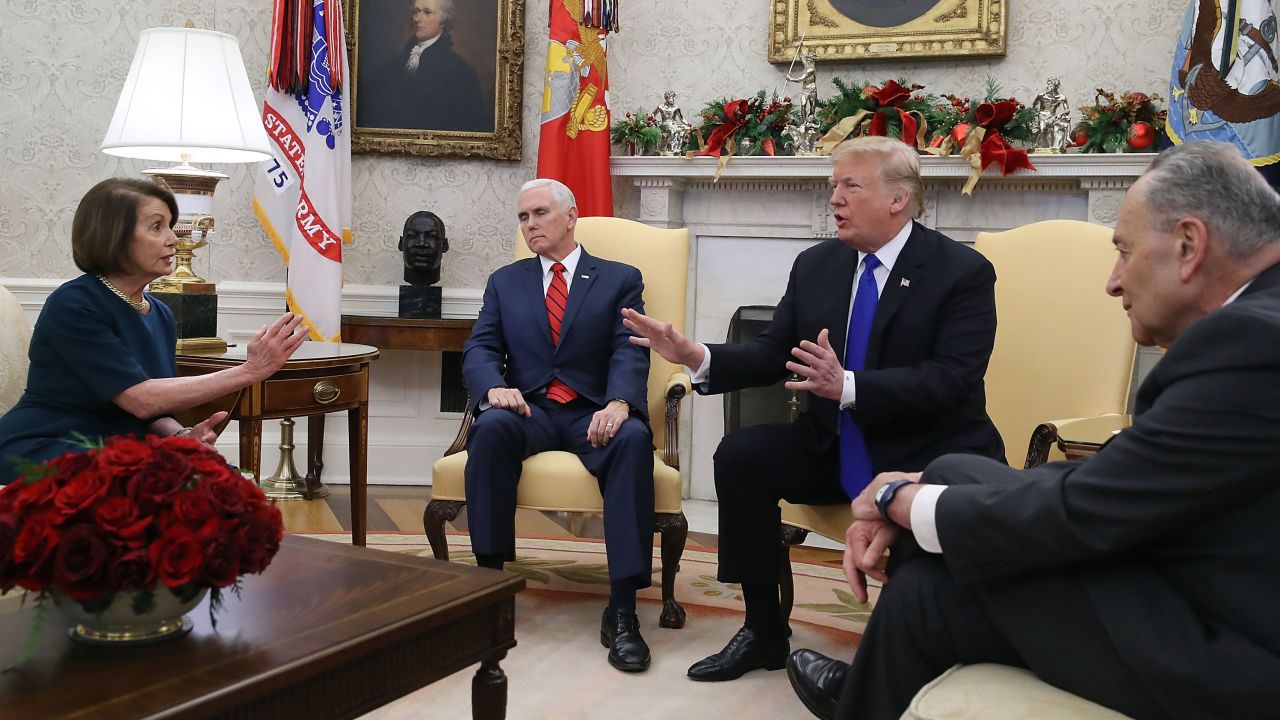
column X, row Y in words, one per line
column 426, row 65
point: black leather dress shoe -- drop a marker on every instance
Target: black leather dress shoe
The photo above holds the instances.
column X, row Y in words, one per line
column 817, row 679
column 747, row 651
column 620, row 632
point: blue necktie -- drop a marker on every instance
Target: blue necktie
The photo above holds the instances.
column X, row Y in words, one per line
column 855, row 463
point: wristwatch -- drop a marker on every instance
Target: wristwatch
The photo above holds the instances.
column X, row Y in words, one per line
column 885, row 495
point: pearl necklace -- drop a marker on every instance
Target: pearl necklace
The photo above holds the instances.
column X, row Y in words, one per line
column 141, row 306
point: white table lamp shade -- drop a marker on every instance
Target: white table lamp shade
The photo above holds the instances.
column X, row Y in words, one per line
column 187, row 94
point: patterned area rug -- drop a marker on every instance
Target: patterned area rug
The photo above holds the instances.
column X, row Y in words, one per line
column 559, row 669
column 560, row 565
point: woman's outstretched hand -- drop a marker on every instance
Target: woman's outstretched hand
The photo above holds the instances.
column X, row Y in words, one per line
column 272, row 346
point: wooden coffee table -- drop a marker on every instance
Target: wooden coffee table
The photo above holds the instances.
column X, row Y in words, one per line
column 328, row 631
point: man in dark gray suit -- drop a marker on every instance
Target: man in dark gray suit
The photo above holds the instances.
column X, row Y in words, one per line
column 1147, row 577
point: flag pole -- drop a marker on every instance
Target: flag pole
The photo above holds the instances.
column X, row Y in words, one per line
column 794, row 58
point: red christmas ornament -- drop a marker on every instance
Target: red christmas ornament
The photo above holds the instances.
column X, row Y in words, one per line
column 1079, row 137
column 1141, row 135
column 937, row 141
column 959, row 132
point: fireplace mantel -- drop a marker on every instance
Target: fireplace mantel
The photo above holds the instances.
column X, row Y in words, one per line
column 746, row 229
column 1070, row 167
column 665, row 182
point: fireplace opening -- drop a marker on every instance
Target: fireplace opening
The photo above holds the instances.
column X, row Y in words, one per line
column 758, row 405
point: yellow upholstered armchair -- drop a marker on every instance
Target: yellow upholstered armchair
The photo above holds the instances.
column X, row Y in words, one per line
column 1063, row 350
column 15, row 335
column 557, row 480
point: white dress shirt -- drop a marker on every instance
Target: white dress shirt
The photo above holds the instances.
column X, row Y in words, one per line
column 570, row 263
column 415, row 53
column 924, row 506
column 888, row 256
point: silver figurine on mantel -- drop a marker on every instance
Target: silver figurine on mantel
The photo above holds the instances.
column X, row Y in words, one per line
column 804, row 137
column 804, row 134
column 672, row 124
column 808, row 80
column 1052, row 123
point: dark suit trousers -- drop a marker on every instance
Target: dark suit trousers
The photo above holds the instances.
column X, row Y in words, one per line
column 924, row 623
column 754, row 468
column 500, row 440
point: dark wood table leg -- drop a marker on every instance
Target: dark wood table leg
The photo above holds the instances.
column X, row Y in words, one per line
column 489, row 690
column 251, row 447
column 315, row 451
column 358, row 438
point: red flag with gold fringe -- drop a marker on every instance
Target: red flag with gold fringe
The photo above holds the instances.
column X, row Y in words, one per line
column 574, row 146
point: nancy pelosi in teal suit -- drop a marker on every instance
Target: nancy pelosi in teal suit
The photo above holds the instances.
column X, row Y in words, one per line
column 102, row 352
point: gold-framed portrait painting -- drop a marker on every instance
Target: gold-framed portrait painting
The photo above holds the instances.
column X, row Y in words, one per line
column 887, row 29
column 436, row 77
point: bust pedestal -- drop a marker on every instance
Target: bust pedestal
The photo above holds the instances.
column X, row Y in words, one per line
column 420, row 301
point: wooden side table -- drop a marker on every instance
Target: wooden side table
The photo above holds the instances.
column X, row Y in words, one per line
column 386, row 333
column 394, row 333
column 320, row 378
column 1079, row 439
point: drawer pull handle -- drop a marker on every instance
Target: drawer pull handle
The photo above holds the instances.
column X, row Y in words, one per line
column 325, row 392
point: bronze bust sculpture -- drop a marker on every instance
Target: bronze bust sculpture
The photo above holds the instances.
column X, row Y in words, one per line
column 423, row 243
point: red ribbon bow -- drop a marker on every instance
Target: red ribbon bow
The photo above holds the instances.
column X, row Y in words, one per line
column 736, row 113
column 995, row 149
column 993, row 116
column 889, row 97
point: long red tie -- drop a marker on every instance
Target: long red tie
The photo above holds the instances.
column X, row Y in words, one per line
column 557, row 301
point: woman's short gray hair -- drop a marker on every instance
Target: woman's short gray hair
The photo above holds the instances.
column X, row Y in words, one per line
column 559, row 192
column 899, row 164
column 1212, row 181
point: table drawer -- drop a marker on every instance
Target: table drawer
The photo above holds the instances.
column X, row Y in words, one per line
column 334, row 391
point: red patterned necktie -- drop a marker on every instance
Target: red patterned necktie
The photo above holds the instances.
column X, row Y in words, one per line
column 557, row 301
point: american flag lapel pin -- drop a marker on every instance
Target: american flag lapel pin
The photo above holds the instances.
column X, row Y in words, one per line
column 585, row 277
column 905, row 282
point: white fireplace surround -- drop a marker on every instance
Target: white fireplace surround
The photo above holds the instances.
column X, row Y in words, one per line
column 746, row 229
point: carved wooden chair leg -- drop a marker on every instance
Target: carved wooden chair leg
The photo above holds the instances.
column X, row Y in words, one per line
column 791, row 535
column 433, row 520
column 674, row 528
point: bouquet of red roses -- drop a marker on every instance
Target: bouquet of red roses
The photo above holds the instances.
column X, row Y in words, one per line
column 134, row 515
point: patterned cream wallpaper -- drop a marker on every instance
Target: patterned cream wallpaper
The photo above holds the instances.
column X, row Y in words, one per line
column 62, row 63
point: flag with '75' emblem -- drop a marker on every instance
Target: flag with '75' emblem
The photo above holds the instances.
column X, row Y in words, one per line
column 302, row 196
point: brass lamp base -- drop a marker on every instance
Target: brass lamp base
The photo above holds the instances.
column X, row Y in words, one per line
column 286, row 483
column 193, row 300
